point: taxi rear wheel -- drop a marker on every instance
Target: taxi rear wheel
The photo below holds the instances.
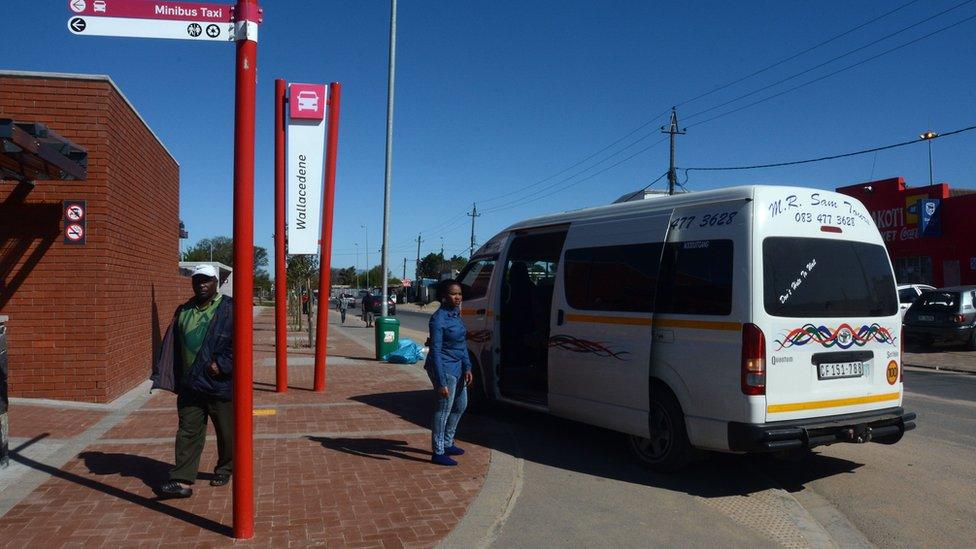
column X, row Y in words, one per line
column 666, row 448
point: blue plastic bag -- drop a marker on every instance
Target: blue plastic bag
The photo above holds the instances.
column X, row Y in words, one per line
column 408, row 353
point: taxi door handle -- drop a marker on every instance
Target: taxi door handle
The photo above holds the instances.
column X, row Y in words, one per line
column 480, row 312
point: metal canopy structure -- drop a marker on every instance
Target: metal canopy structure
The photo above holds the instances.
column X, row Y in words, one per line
column 29, row 152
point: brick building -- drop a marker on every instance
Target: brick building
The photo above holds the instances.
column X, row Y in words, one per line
column 85, row 320
column 929, row 230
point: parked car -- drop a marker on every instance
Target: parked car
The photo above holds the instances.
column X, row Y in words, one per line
column 377, row 304
column 946, row 315
column 908, row 293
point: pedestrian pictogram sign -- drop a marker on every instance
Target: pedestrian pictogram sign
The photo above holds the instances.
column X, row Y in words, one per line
column 75, row 221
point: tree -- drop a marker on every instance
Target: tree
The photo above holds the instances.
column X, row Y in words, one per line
column 302, row 267
column 430, row 265
column 457, row 263
column 345, row 277
column 223, row 252
column 262, row 285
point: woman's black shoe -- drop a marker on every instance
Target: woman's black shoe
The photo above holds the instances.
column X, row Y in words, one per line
column 220, row 480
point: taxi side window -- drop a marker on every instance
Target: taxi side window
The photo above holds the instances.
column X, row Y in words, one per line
column 474, row 280
column 696, row 278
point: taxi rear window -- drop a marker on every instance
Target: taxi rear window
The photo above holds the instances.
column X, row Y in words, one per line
column 818, row 277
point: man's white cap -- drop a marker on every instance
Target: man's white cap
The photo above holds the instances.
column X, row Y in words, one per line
column 207, row 270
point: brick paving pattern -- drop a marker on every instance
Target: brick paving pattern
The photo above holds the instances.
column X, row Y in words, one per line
column 360, row 487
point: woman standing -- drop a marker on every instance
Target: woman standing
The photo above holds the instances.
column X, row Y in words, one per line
column 449, row 369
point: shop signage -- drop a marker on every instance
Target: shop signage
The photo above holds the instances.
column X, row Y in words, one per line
column 305, row 149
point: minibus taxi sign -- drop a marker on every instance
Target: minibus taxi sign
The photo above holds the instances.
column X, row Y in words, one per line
column 140, row 9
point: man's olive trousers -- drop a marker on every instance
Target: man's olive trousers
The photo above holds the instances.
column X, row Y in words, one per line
column 193, row 410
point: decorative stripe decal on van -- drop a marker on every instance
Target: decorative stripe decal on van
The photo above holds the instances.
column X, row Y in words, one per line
column 843, row 337
column 577, row 345
column 797, row 406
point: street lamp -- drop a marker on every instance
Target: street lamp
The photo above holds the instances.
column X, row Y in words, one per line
column 357, row 263
column 929, row 136
column 366, row 252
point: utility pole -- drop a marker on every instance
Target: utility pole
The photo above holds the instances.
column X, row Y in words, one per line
column 388, row 173
column 404, row 269
column 474, row 213
column 672, row 129
column 416, row 280
column 366, row 252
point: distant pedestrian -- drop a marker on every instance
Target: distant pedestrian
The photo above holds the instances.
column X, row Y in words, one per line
column 196, row 362
column 449, row 369
column 343, row 306
column 368, row 309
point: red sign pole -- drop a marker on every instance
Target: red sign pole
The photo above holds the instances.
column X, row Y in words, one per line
column 247, row 17
column 281, row 269
column 325, row 265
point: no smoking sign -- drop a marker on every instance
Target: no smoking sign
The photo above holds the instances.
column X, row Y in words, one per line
column 75, row 221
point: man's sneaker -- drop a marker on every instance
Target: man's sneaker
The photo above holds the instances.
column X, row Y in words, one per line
column 220, row 480
column 176, row 489
column 441, row 459
column 453, row 451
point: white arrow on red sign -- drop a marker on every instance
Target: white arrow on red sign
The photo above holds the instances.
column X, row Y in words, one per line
column 141, row 9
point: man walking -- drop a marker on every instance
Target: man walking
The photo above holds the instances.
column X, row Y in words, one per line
column 196, row 362
column 343, row 305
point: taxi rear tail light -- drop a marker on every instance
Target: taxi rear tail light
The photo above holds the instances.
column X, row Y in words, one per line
column 753, row 360
column 958, row 319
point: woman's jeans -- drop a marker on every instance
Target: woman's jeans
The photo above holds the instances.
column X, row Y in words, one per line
column 447, row 413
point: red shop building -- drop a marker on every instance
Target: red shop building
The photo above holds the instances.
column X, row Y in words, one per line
column 930, row 231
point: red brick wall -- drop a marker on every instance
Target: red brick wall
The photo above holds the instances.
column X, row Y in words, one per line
column 84, row 320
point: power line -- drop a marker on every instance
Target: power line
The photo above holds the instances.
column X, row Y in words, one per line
column 824, row 158
column 795, row 55
column 587, row 178
column 838, row 71
column 831, row 60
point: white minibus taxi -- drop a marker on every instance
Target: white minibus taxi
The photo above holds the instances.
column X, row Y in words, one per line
column 749, row 319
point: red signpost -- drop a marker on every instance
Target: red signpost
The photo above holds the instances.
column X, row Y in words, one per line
column 325, row 264
column 281, row 269
column 247, row 17
column 186, row 21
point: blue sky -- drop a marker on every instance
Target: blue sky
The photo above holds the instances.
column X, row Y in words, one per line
column 493, row 98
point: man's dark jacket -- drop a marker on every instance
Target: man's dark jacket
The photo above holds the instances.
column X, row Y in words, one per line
column 168, row 372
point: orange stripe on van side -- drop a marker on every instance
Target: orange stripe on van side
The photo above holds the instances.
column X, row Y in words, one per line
column 816, row 404
column 659, row 323
column 600, row 319
column 698, row 324
column 473, row 312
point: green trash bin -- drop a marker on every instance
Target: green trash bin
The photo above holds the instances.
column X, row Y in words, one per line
column 387, row 335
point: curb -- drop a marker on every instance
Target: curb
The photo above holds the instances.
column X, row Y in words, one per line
column 941, row 369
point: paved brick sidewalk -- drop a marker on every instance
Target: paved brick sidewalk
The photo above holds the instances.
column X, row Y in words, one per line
column 345, row 468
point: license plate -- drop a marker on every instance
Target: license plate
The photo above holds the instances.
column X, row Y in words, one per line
column 835, row 370
column 926, row 318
